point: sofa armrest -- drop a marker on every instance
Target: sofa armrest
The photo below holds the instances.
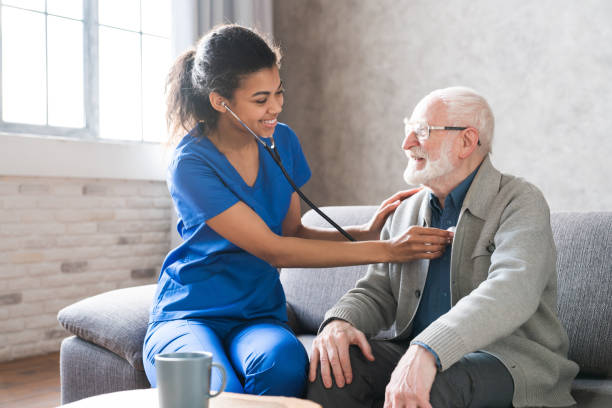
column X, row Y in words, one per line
column 115, row 320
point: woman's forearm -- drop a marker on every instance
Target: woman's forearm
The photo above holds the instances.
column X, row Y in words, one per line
column 241, row 226
column 312, row 253
column 359, row 232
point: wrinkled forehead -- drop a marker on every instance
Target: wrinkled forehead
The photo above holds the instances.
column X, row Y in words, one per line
column 430, row 109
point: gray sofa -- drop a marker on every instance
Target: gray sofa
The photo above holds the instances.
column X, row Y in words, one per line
column 105, row 353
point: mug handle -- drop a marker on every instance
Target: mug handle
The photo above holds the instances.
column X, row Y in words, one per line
column 220, row 367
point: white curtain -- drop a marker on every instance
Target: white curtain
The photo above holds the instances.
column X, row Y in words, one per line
column 193, row 18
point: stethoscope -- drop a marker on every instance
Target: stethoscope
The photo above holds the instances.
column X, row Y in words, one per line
column 271, row 149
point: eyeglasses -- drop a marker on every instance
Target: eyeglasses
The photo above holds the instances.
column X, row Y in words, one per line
column 422, row 129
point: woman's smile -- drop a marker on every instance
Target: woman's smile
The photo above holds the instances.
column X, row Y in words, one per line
column 269, row 123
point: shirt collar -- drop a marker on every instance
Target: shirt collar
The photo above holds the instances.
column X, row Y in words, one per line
column 456, row 196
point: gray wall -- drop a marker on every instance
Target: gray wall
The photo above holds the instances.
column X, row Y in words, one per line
column 354, row 69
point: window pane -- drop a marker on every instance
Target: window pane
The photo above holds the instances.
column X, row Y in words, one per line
column 120, row 13
column 38, row 5
column 65, row 53
column 120, row 111
column 66, row 8
column 155, row 67
column 156, row 17
column 24, row 97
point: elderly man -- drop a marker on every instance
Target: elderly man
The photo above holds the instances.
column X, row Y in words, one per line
column 476, row 327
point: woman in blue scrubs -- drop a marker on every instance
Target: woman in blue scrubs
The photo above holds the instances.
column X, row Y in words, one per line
column 219, row 291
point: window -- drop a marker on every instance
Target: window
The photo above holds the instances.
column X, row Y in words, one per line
column 84, row 68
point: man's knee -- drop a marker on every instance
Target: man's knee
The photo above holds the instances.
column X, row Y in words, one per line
column 451, row 388
column 477, row 380
column 335, row 396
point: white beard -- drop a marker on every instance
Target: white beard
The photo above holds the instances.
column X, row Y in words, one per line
column 432, row 170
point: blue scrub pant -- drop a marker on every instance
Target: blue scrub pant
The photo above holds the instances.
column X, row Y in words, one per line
column 261, row 357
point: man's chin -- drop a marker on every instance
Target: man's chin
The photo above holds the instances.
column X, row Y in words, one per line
column 415, row 178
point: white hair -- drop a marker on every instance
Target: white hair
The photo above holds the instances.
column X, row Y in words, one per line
column 464, row 106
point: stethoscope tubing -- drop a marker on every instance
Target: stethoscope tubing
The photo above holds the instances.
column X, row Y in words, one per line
column 277, row 159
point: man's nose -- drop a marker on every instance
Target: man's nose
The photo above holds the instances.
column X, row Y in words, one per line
column 410, row 140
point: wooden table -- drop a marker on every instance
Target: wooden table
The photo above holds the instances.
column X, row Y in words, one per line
column 148, row 398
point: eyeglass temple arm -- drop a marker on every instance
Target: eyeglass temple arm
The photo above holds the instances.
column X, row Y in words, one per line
column 451, row 128
column 447, row 127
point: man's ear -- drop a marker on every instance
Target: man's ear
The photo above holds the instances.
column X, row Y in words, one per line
column 469, row 142
column 216, row 101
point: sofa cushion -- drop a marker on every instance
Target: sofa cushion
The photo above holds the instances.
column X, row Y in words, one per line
column 307, row 340
column 584, row 269
column 592, row 393
column 310, row 291
column 116, row 320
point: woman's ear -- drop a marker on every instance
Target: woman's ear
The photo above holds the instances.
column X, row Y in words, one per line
column 217, row 101
column 469, row 142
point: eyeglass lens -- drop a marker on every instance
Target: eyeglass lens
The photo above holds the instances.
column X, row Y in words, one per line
column 421, row 129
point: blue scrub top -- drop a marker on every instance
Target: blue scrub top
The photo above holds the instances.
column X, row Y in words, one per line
column 207, row 276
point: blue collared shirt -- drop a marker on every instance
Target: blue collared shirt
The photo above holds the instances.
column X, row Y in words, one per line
column 435, row 299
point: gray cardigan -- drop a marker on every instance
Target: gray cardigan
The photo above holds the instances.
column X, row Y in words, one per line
column 503, row 288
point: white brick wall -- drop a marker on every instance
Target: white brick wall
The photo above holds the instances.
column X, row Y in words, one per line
column 62, row 240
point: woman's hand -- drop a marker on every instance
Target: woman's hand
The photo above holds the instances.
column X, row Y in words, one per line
column 419, row 243
column 374, row 226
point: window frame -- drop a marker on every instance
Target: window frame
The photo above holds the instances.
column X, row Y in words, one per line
column 90, row 83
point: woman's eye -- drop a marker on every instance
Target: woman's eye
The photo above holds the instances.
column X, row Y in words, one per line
column 260, row 101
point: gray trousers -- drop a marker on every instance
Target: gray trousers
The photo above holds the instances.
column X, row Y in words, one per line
column 477, row 380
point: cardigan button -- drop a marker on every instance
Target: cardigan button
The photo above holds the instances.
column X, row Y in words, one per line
column 417, row 293
column 491, row 248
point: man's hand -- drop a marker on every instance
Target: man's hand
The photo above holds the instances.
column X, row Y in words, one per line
column 411, row 380
column 331, row 347
column 386, row 208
